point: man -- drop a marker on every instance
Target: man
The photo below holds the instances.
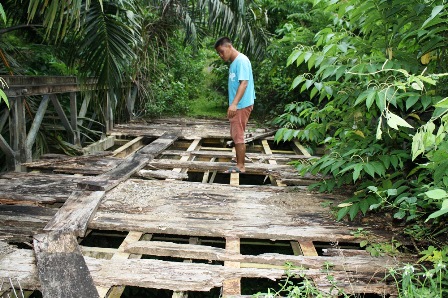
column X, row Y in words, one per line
column 241, row 97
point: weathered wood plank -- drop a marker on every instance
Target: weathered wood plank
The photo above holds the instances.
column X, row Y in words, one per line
column 20, row 265
column 61, row 267
column 129, row 166
column 232, row 286
column 76, row 212
column 183, row 276
column 225, row 153
column 162, row 174
column 308, row 248
column 359, row 263
column 199, row 209
column 36, row 188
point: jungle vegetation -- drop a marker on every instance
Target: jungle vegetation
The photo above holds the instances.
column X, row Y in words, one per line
column 364, row 80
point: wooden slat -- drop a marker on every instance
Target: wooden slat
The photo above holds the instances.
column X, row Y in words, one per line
column 76, row 213
column 61, row 267
column 193, row 146
column 129, row 166
column 308, row 248
column 117, row 291
column 129, row 147
column 268, row 151
column 232, row 286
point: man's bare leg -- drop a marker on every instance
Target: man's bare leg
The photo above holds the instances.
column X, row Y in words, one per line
column 240, row 156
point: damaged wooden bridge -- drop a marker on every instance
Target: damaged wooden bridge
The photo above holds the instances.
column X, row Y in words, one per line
column 150, row 213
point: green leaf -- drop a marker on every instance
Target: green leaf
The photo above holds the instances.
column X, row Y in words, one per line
column 293, row 57
column 342, row 213
column 437, row 214
column 411, row 101
column 394, row 121
column 353, row 210
column 299, row 79
column 434, row 13
column 369, row 169
column 436, row 194
column 4, row 97
column 357, row 171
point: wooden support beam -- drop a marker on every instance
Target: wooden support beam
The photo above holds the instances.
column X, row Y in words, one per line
column 301, row 149
column 61, row 267
column 84, row 106
column 308, row 248
column 64, row 120
column 117, row 291
column 207, row 173
column 195, row 145
column 232, row 286
column 4, row 146
column 129, row 147
column 267, row 150
column 76, row 213
column 74, row 119
column 35, row 126
column 101, row 145
column 3, row 118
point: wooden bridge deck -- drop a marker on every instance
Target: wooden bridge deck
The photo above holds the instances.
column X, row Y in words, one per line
column 155, row 211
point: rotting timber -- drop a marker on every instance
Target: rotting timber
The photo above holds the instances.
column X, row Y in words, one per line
column 181, row 224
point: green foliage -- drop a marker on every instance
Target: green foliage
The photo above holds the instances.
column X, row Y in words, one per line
column 370, row 87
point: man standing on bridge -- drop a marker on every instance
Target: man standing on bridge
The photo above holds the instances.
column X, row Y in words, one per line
column 241, row 97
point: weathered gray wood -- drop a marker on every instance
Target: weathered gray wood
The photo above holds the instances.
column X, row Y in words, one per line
column 4, row 146
column 74, row 119
column 32, row 134
column 360, row 263
column 76, row 213
column 22, row 222
column 3, row 118
column 162, row 174
column 198, row 209
column 20, row 265
column 61, row 267
column 129, row 166
column 251, row 168
column 254, row 137
column 36, row 188
column 61, row 114
column 84, row 107
column 228, row 154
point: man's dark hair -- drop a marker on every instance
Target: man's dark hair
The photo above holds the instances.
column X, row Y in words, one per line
column 222, row 41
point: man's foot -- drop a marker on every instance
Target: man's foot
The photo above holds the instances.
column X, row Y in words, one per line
column 233, row 170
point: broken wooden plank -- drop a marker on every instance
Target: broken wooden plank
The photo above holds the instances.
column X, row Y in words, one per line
column 61, row 267
column 162, row 174
column 129, row 147
column 225, row 153
column 76, row 213
column 308, row 248
column 129, row 166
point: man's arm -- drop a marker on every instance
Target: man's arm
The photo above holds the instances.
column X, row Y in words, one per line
column 231, row 111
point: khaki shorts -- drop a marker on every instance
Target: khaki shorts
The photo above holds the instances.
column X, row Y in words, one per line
column 238, row 124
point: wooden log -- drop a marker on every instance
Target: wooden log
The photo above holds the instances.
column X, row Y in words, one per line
column 129, row 166
column 61, row 267
column 75, row 214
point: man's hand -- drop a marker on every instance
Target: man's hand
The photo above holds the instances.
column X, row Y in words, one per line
column 231, row 111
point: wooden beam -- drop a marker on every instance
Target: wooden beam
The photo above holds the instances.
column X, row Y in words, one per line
column 117, row 291
column 232, row 286
column 308, row 248
column 267, row 150
column 76, row 213
column 129, row 147
column 64, row 120
column 3, row 118
column 35, row 126
column 74, row 119
column 61, row 267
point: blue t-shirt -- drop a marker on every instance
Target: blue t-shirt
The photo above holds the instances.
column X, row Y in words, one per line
column 241, row 70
